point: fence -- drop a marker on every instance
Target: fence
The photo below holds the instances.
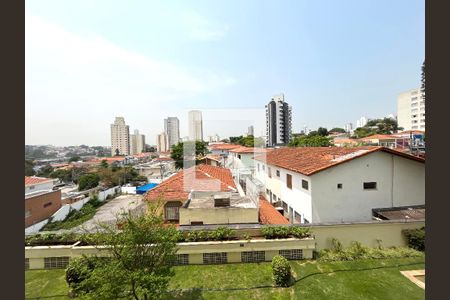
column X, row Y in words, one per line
column 102, row 195
column 35, row 227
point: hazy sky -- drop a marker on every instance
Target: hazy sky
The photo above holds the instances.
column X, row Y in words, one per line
column 90, row 61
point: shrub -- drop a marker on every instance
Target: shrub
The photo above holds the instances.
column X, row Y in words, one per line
column 281, row 232
column 300, row 232
column 220, row 234
column 78, row 270
column 281, row 271
column 415, row 238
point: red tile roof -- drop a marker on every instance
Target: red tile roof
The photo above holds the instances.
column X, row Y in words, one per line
column 31, row 180
column 196, row 178
column 310, row 160
column 378, row 137
column 243, row 149
column 163, row 159
column 345, row 141
column 268, row 215
column 223, row 146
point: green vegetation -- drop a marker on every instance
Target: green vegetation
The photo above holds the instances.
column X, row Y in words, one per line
column 282, row 232
column 377, row 126
column 178, row 152
column 88, row 181
column 29, row 168
column 315, row 140
column 247, row 141
column 116, row 175
column 281, row 271
column 219, row 234
column 76, row 217
column 45, row 171
column 74, row 158
column 360, row 279
column 337, row 130
column 416, row 238
column 63, row 175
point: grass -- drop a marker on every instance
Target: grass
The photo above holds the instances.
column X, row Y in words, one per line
column 360, row 279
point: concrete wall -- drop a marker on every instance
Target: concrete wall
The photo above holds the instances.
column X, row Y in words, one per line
column 214, row 215
column 400, row 182
column 39, row 187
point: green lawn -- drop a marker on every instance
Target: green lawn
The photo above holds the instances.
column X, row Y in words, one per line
column 365, row 279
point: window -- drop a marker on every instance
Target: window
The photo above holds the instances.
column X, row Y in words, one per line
column 289, row 181
column 339, row 185
column 239, row 156
column 278, row 173
column 305, row 184
column 27, row 213
column 27, row 263
column 263, row 167
column 47, row 204
column 297, row 217
column 196, row 223
column 253, row 256
column 32, row 187
column 215, row 258
column 56, row 262
column 292, row 254
column 269, row 172
column 257, row 166
column 370, row 185
column 172, row 211
column 181, row 259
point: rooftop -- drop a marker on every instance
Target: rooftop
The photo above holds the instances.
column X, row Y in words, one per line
column 268, row 215
column 198, row 178
column 401, row 213
column 223, row 146
column 32, row 180
column 207, row 200
column 310, row 160
column 243, row 149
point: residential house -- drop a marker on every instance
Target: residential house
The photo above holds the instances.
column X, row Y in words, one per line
column 41, row 201
column 335, row 184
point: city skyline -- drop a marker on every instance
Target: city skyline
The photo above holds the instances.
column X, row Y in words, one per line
column 332, row 71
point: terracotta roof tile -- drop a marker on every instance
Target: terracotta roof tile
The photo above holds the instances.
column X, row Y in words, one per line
column 223, row 146
column 30, row 180
column 199, row 178
column 243, row 149
column 268, row 215
column 378, row 137
column 310, row 160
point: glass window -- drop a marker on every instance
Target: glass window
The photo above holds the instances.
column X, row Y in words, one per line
column 305, row 184
column 370, row 185
column 289, row 181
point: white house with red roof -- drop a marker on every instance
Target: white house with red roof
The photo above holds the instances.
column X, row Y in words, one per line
column 335, row 184
column 34, row 184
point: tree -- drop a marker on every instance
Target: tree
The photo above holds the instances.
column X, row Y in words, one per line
column 104, row 164
column 29, row 171
column 74, row 158
column 322, row 131
column 63, row 175
column 249, row 141
column 338, row 130
column 88, row 181
column 141, row 258
column 235, row 139
column 310, row 141
column 45, row 171
column 179, row 154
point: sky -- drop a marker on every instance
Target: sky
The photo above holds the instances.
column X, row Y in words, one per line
column 89, row 61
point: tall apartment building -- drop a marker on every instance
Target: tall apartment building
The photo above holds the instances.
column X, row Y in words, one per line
column 172, row 129
column 348, row 127
column 278, row 121
column 162, row 142
column 120, row 137
column 137, row 144
column 251, row 130
column 361, row 122
column 411, row 110
column 195, row 125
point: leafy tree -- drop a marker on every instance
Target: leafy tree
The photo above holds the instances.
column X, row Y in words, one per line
column 362, row 132
column 225, row 140
column 322, row 131
column 313, row 133
column 63, row 175
column 29, row 171
column 45, row 171
column 338, row 130
column 141, row 258
column 74, row 158
column 88, row 181
column 178, row 152
column 104, row 164
column 377, row 126
column 235, row 139
column 310, row 141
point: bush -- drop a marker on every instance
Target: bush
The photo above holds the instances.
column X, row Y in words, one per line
column 282, row 232
column 220, row 234
column 415, row 238
column 88, row 181
column 281, row 271
column 78, row 270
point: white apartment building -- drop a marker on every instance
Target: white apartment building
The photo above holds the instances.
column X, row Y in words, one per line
column 278, row 121
column 137, row 144
column 334, row 184
column 361, row 122
column 120, row 137
column 411, row 110
column 162, row 142
column 251, row 130
column 195, row 125
column 172, row 129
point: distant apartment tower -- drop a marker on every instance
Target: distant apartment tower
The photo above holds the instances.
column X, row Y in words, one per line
column 172, row 129
column 411, row 110
column 162, row 142
column 195, row 125
column 348, row 127
column 361, row 122
column 137, row 143
column 251, row 130
column 120, row 137
column 278, row 121
column 214, row 138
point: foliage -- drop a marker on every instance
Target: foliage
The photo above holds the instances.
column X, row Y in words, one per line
column 63, row 175
column 88, row 181
column 338, row 130
column 178, row 152
column 281, row 271
column 416, row 238
column 45, row 171
column 104, row 164
column 357, row 251
column 322, row 131
column 74, row 158
column 141, row 256
column 281, row 232
column 219, row 234
column 310, row 141
column 29, row 168
column 247, row 141
column 78, row 271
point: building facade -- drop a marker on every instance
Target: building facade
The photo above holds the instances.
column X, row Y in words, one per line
column 120, row 137
column 195, row 125
column 411, row 110
column 361, row 122
column 162, row 142
column 137, row 143
column 251, row 130
column 278, row 121
column 172, row 129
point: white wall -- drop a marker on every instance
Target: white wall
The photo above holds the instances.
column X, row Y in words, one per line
column 39, row 187
column 35, row 227
column 128, row 189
